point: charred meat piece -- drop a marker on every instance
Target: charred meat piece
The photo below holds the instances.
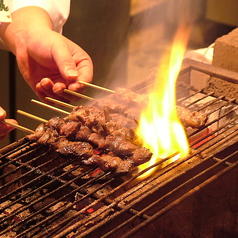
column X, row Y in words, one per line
column 141, row 155
column 133, row 113
column 50, row 136
column 119, row 146
column 109, row 162
column 89, row 116
column 55, row 123
column 118, row 122
column 193, row 119
column 125, row 166
column 76, row 148
column 69, row 129
column 127, row 96
column 126, row 133
column 96, row 139
column 123, row 121
column 83, row 133
column 44, row 135
column 111, row 105
column 99, row 128
column 112, row 126
column 105, row 162
column 92, row 117
column 40, row 130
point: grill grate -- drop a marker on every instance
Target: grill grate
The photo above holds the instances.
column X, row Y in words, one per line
column 44, row 195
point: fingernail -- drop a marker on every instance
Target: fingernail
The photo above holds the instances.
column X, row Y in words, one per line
column 46, row 86
column 71, row 72
column 58, row 90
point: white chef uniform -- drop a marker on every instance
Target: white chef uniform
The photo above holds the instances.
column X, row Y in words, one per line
column 58, row 10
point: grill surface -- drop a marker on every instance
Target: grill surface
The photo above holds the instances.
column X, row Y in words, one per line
column 44, row 195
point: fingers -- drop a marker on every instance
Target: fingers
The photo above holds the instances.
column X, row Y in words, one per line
column 10, row 128
column 62, row 56
column 85, row 71
column 2, row 113
column 5, row 129
column 49, row 72
column 59, row 90
column 74, row 64
column 47, row 88
column 72, row 61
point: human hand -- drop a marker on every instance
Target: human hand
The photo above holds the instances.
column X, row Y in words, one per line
column 49, row 63
column 4, row 128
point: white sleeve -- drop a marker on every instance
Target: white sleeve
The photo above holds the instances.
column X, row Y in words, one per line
column 57, row 9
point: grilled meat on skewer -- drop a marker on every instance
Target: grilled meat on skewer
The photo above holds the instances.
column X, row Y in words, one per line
column 70, row 129
column 110, row 162
column 193, row 119
column 108, row 127
column 76, row 148
column 87, row 115
column 130, row 104
column 131, row 98
column 111, row 105
column 120, row 142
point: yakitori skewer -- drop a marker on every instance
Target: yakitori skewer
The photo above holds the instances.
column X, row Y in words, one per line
column 59, row 102
column 31, row 116
column 97, row 87
column 78, row 94
column 24, row 129
column 50, row 107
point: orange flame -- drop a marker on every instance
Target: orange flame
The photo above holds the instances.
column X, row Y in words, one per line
column 160, row 128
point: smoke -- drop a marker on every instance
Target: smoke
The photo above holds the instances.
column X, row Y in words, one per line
column 152, row 29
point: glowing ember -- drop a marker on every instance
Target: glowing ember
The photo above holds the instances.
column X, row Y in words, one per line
column 160, row 128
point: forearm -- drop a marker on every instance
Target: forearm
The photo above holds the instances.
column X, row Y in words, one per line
column 25, row 21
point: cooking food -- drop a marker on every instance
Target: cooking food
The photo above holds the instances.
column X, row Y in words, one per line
column 193, row 119
column 96, row 137
column 103, row 134
column 130, row 104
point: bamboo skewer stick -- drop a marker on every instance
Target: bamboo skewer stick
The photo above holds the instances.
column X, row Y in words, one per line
column 78, row 94
column 24, row 129
column 59, row 102
column 50, row 107
column 97, row 87
column 31, row 116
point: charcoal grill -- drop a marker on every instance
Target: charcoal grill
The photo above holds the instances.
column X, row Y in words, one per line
column 44, row 195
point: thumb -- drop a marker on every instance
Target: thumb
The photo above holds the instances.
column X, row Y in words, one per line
column 65, row 62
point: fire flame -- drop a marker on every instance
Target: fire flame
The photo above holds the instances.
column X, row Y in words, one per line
column 160, row 129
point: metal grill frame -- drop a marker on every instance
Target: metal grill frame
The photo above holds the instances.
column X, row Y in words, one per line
column 114, row 203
